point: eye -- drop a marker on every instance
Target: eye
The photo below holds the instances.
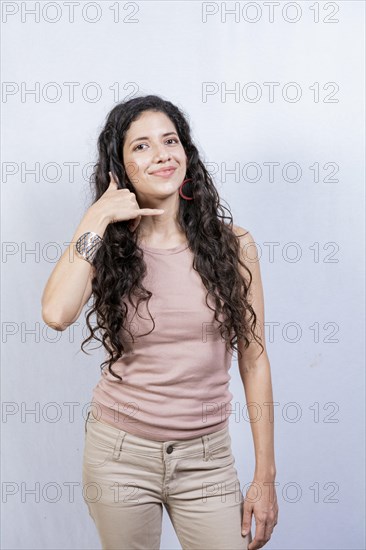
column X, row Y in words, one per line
column 175, row 140
column 139, row 145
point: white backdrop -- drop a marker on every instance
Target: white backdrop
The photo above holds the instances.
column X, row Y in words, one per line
column 274, row 94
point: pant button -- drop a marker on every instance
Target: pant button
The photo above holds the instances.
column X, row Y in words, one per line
column 169, row 449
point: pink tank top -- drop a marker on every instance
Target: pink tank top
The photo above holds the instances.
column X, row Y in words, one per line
column 175, row 379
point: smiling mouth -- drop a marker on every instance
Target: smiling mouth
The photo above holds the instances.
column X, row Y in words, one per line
column 164, row 173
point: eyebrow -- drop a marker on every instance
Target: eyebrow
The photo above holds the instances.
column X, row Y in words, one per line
column 164, row 135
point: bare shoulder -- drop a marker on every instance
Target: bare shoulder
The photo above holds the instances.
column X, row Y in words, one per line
column 245, row 237
column 248, row 248
column 240, row 231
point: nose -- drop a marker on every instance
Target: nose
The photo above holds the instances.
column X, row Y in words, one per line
column 161, row 153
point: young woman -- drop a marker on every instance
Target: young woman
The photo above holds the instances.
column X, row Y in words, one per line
column 175, row 290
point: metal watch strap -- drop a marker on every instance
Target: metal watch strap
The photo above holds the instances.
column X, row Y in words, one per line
column 87, row 245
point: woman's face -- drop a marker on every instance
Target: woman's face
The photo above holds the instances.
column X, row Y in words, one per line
column 151, row 144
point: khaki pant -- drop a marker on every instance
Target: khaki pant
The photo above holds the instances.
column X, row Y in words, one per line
column 127, row 480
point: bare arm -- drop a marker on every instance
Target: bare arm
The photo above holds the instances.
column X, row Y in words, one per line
column 255, row 370
column 255, row 373
column 69, row 285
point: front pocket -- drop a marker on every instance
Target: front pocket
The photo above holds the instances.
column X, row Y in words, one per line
column 221, row 454
column 96, row 454
column 98, row 450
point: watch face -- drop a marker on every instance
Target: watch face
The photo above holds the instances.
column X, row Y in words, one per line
column 87, row 245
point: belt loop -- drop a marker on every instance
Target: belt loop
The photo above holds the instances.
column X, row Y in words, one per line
column 86, row 421
column 206, row 447
column 118, row 446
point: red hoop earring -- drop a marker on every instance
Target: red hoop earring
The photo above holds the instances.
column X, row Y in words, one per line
column 181, row 191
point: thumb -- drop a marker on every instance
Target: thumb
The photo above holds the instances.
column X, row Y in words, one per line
column 112, row 182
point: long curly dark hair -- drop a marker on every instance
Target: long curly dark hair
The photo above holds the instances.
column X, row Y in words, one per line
column 119, row 263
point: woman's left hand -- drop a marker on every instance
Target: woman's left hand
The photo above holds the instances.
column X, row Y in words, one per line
column 260, row 500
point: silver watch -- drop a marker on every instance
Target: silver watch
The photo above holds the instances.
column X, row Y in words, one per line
column 87, row 245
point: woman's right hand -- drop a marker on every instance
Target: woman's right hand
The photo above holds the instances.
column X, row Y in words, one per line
column 120, row 205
